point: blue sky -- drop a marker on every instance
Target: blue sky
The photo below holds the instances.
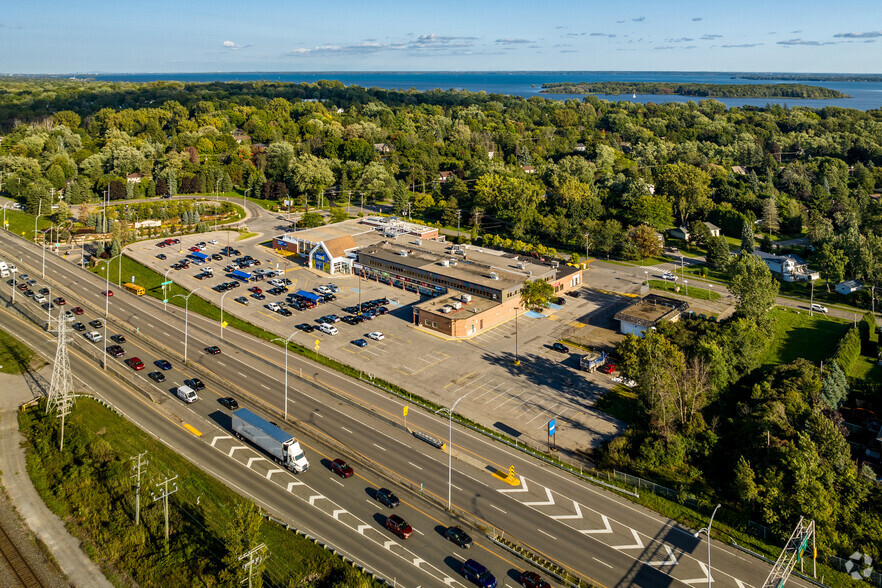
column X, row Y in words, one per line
column 385, row 35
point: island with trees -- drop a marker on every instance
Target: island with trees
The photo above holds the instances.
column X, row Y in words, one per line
column 806, row 77
column 802, row 91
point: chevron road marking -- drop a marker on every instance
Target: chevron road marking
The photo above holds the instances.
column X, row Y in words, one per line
column 671, row 561
column 362, row 528
column 232, row 449
column 314, row 498
column 336, row 514
column 219, row 438
column 548, row 503
column 252, row 460
column 291, row 485
column 706, row 578
column 522, row 489
column 417, row 561
column 270, row 473
column 389, row 544
column 606, row 527
column 637, row 545
column 578, row 514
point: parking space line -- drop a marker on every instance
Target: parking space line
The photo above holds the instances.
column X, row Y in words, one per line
column 510, row 398
column 524, row 403
column 498, row 395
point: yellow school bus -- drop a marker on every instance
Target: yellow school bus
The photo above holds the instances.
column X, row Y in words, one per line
column 134, row 289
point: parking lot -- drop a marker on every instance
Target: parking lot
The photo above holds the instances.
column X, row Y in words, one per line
column 517, row 400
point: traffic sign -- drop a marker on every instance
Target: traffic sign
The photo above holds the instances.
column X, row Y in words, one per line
column 224, row 324
column 165, row 301
column 167, row 283
column 405, row 410
column 551, row 427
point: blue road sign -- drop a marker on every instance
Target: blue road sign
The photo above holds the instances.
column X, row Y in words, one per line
column 551, row 427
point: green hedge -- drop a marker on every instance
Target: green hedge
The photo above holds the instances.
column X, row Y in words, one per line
column 867, row 327
column 848, row 350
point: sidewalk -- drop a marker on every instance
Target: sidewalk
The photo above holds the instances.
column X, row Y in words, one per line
column 46, row 526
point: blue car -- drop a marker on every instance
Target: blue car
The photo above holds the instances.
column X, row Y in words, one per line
column 477, row 574
column 163, row 364
column 360, row 343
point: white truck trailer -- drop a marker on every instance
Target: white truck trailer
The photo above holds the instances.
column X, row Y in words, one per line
column 283, row 447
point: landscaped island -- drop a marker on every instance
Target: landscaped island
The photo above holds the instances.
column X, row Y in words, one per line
column 688, row 89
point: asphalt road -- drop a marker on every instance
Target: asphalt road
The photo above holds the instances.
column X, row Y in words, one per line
column 598, row 534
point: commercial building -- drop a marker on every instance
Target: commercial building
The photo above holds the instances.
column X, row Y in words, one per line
column 648, row 312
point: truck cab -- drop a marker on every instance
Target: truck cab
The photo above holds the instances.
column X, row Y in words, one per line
column 296, row 459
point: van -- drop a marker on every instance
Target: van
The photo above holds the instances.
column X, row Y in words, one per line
column 134, row 289
column 187, row 394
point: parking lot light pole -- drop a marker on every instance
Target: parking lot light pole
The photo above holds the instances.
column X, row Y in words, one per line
column 286, row 341
column 450, row 446
column 222, row 313
column 706, row 531
column 186, row 319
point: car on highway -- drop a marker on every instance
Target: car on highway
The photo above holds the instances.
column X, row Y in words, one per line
column 213, row 350
column 80, row 327
column 44, row 291
column 163, row 364
column 48, row 306
column 386, row 496
column 108, row 293
column 560, row 347
column 22, row 286
column 96, row 324
column 305, row 327
column 458, row 536
column 135, row 363
column 77, row 310
column 195, row 383
column 341, row 468
column 69, row 316
column 669, row 276
column 28, row 293
column 477, row 574
column 359, row 343
column 819, row 308
column 376, row 336
column 157, row 377
column 608, row 368
column 533, row 580
column 118, row 338
column 399, row 526
column 94, row 336
column 116, row 351
column 39, row 299
column 241, row 300
column 229, row 402
column 32, row 282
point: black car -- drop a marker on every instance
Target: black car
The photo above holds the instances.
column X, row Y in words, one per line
column 574, row 294
column 195, row 383
column 217, row 257
column 44, row 291
column 560, row 347
column 96, row 324
column 458, row 536
column 220, row 288
column 79, row 327
column 258, row 296
column 306, row 328
column 163, row 364
column 349, row 320
column 29, row 293
column 351, row 309
column 561, row 300
column 386, row 496
column 213, row 350
column 162, row 256
column 156, row 376
column 118, row 338
column 116, row 351
column 229, row 402
column 285, row 312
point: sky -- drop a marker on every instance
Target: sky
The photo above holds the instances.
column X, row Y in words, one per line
column 125, row 36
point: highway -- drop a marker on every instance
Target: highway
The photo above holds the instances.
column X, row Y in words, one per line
column 598, row 534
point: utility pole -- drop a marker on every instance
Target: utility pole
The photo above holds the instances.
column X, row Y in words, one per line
column 812, row 304
column 349, row 202
column 458, row 213
column 163, row 495
column 255, row 557
column 137, row 477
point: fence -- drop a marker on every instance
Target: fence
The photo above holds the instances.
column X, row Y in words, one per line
column 873, row 577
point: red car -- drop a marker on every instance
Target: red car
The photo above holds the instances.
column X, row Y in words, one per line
column 341, row 468
column 60, row 301
column 23, row 286
column 194, row 249
column 135, row 363
column 608, row 368
column 256, row 290
column 77, row 310
column 108, row 292
column 399, row 526
column 533, row 580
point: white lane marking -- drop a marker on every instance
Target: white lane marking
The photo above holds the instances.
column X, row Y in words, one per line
column 606, row 527
column 603, row 563
column 671, row 561
column 166, row 334
column 549, row 502
column 638, row 544
column 337, row 482
column 497, row 508
column 219, row 438
column 523, row 487
column 270, row 473
column 347, row 430
column 578, row 514
column 314, row 498
column 252, row 460
column 318, row 414
column 232, row 449
column 378, row 447
column 418, row 531
column 264, row 386
column 547, row 534
column 414, row 465
column 222, row 363
column 457, row 487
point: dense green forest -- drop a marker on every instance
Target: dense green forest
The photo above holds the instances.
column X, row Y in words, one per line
column 692, row 89
column 534, row 172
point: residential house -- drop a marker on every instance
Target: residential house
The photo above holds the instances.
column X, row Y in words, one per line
column 528, row 169
column 848, row 286
column 382, row 148
column 790, row 268
column 444, row 176
column 682, row 232
column 134, row 178
column 739, row 169
column 580, row 147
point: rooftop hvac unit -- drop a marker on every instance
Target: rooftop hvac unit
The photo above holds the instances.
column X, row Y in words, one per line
column 466, row 298
column 403, row 253
column 494, row 276
column 445, row 262
column 446, row 308
column 419, row 242
column 456, row 304
column 555, row 263
column 452, row 262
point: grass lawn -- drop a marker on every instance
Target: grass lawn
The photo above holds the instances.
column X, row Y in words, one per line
column 621, row 402
column 697, row 292
column 799, row 335
column 15, row 356
column 22, row 223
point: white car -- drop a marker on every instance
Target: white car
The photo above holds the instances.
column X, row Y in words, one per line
column 328, row 329
column 94, row 337
column 69, row 316
column 819, row 308
column 323, row 289
column 39, row 298
column 12, row 268
column 669, row 276
column 376, row 336
column 273, row 306
column 213, row 242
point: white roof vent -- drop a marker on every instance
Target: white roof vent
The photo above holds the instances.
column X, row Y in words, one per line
column 494, row 276
column 403, row 253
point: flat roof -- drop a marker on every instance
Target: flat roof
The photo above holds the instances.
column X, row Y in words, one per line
column 477, row 305
column 350, row 228
column 651, row 309
column 473, row 265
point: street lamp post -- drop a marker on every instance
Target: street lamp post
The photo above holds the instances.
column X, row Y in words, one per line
column 5, row 224
column 707, row 531
column 686, row 283
column 646, row 273
column 107, row 284
column 287, row 340
column 709, row 286
column 222, row 313
column 450, row 446
column 186, row 319
column 216, row 200
column 245, row 202
column 164, row 297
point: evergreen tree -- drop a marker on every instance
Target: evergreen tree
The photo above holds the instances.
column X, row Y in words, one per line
column 834, row 386
column 747, row 238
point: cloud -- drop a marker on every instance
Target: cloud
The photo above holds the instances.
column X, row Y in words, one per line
column 233, row 46
column 697, row 18
column 742, row 45
column 433, row 40
column 422, row 43
column 680, row 40
column 668, row 47
column 638, row 19
column 512, row 41
column 560, row 27
column 567, row 51
column 801, row 42
column 710, row 37
column 575, row 34
column 619, row 21
column 610, row 35
column 867, row 35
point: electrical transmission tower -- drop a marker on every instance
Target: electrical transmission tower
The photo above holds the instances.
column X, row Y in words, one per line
column 792, row 554
column 61, row 391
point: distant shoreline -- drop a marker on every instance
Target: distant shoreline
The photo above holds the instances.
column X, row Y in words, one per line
column 812, row 77
column 698, row 90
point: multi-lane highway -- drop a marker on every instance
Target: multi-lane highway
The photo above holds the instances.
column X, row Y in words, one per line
column 596, row 533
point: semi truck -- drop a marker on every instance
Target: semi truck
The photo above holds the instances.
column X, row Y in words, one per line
column 283, row 447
